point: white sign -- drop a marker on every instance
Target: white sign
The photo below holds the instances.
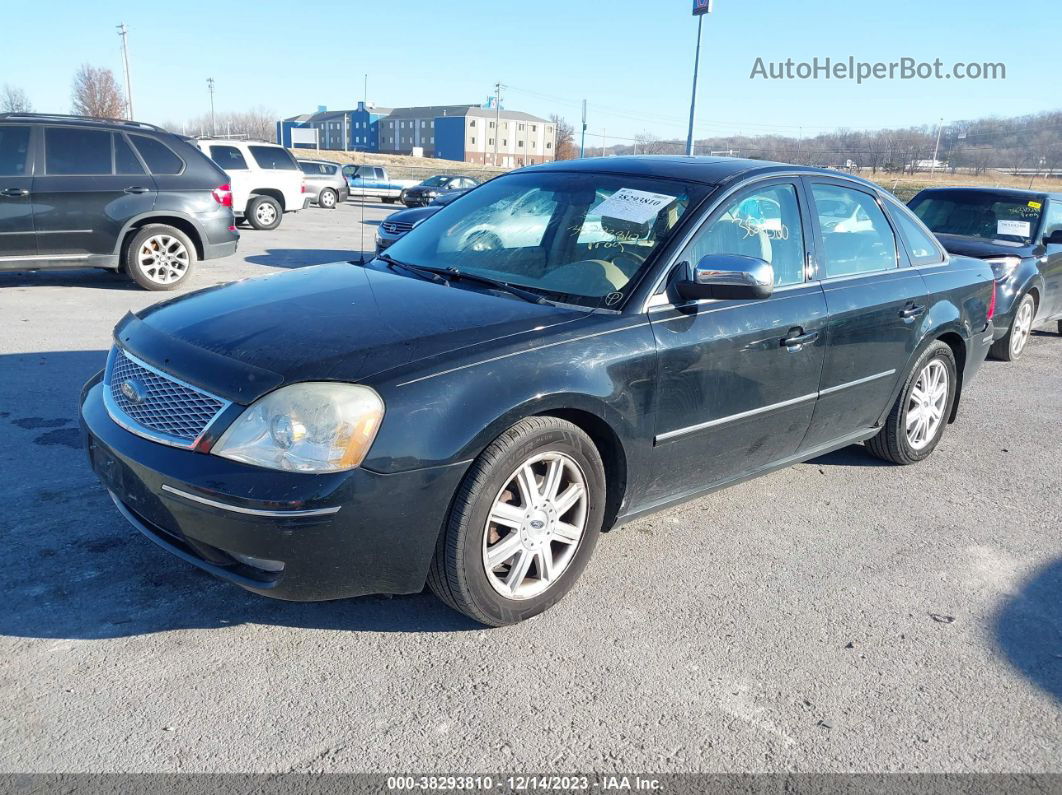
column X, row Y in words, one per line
column 636, row 206
column 1017, row 228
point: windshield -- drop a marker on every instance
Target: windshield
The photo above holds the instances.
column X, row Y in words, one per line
column 990, row 216
column 582, row 238
column 435, row 182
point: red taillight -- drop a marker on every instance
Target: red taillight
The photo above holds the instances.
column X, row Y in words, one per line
column 992, row 302
column 304, row 187
column 223, row 195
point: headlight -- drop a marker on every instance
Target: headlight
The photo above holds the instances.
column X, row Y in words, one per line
column 1003, row 267
column 312, row 427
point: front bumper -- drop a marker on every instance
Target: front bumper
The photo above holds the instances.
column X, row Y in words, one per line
column 322, row 537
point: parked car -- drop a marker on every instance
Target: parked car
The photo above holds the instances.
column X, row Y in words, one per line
column 396, row 225
column 77, row 192
column 325, row 184
column 1019, row 232
column 266, row 181
column 433, row 187
column 365, row 181
column 474, row 419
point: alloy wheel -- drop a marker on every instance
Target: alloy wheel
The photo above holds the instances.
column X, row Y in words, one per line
column 535, row 525
column 1022, row 328
column 926, row 404
column 163, row 259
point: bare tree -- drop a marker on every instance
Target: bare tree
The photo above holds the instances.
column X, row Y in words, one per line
column 14, row 100
column 96, row 93
column 257, row 123
column 565, row 145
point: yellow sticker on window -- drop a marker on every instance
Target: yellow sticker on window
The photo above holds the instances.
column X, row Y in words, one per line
column 1035, row 205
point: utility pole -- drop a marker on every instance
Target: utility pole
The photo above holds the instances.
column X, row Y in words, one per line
column 497, row 117
column 123, row 33
column 936, row 150
column 700, row 8
column 210, row 86
column 365, row 92
column 603, row 132
column 582, row 143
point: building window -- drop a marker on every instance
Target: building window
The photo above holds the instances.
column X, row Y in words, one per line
column 473, row 140
column 492, row 125
column 472, row 123
column 431, row 140
column 519, row 127
column 520, row 143
column 505, row 141
column 534, row 128
column 490, row 142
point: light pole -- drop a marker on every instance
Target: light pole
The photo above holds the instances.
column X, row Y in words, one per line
column 936, row 150
column 123, row 32
column 210, row 86
column 700, row 8
column 582, row 141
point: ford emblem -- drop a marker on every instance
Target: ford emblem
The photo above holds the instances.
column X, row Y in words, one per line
column 537, row 524
column 134, row 391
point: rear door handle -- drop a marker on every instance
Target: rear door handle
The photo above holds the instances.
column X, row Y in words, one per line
column 14, row 192
column 137, row 189
column 911, row 310
column 797, row 339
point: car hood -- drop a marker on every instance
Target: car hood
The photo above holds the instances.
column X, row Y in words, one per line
column 412, row 215
column 340, row 322
column 983, row 249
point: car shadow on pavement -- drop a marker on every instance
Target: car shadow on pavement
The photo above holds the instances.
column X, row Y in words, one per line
column 74, row 569
column 84, row 277
column 303, row 257
column 1028, row 629
column 855, row 455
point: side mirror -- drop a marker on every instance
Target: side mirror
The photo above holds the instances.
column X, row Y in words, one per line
column 1053, row 239
column 731, row 276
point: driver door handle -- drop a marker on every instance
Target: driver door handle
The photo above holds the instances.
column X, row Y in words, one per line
column 911, row 310
column 796, row 339
column 14, row 192
column 137, row 189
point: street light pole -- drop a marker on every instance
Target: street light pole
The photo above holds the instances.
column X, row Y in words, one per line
column 936, row 150
column 700, row 8
column 123, row 32
column 210, row 86
column 582, row 141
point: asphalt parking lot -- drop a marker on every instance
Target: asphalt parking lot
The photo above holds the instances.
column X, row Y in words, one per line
column 842, row 615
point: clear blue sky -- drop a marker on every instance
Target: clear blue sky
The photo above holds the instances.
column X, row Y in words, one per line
column 632, row 59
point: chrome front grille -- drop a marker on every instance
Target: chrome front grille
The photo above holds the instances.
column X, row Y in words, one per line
column 155, row 405
column 395, row 227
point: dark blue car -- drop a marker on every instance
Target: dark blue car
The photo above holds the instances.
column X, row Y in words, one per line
column 644, row 330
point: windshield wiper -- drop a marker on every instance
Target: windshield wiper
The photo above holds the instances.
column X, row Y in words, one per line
column 425, row 273
column 520, row 292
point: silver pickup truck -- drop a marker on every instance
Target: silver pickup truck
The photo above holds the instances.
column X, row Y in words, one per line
column 375, row 181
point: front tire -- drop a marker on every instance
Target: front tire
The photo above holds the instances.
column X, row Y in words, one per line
column 159, row 257
column 328, row 199
column 918, row 418
column 1012, row 346
column 523, row 524
column 264, row 212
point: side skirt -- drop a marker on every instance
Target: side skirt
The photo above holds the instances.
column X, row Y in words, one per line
column 804, row 455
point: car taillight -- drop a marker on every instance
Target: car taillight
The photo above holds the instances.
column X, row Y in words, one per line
column 223, row 195
column 992, row 302
column 304, row 187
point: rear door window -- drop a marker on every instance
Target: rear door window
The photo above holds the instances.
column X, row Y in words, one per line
column 273, row 158
column 856, row 237
column 70, row 151
column 159, row 157
column 14, row 151
column 125, row 161
column 228, row 157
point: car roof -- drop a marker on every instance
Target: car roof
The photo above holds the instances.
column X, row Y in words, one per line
column 313, row 160
column 1017, row 193
column 61, row 119
column 233, row 141
column 708, row 170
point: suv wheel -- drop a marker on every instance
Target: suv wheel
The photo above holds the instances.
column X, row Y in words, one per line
column 263, row 212
column 917, row 420
column 159, row 257
column 327, row 199
column 523, row 525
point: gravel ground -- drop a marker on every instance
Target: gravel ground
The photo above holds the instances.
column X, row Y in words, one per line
column 841, row 615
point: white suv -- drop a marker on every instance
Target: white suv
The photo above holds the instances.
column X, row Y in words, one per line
column 266, row 180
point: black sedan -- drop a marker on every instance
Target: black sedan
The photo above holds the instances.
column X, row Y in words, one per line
column 644, row 331
column 439, row 185
column 1019, row 232
column 396, row 225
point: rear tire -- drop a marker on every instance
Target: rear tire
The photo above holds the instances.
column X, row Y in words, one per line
column 327, row 199
column 159, row 257
column 263, row 212
column 544, row 480
column 1012, row 346
column 918, row 418
column 1060, row 327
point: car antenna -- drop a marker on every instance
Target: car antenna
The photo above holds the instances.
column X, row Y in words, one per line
column 362, row 228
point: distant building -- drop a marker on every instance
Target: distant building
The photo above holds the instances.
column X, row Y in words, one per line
column 468, row 133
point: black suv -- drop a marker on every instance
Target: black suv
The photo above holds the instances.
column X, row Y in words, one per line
column 77, row 192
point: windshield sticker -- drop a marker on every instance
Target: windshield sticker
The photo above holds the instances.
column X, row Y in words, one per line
column 1035, row 205
column 1016, row 228
column 636, row 206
